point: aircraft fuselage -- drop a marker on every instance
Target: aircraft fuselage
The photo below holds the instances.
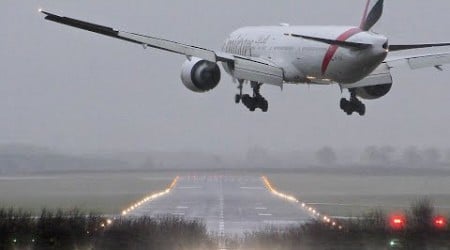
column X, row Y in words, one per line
column 307, row 61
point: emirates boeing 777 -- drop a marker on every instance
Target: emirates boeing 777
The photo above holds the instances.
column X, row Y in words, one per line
column 354, row 57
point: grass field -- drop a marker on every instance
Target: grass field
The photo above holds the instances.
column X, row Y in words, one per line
column 352, row 195
column 337, row 195
column 103, row 193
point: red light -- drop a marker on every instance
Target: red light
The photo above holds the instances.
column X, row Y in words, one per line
column 440, row 222
column 397, row 222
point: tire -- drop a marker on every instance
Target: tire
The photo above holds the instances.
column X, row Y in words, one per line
column 264, row 106
column 249, row 102
column 347, row 106
column 343, row 104
column 237, row 99
column 362, row 110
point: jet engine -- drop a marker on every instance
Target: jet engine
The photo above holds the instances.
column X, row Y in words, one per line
column 373, row 92
column 200, row 75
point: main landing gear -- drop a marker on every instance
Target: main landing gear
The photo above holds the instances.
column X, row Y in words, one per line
column 255, row 101
column 353, row 105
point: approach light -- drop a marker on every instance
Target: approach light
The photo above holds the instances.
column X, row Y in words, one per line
column 395, row 243
column 440, row 222
column 397, row 222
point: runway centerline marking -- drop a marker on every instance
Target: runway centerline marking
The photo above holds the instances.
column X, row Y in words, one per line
column 182, row 207
column 260, row 208
column 253, row 188
column 264, row 214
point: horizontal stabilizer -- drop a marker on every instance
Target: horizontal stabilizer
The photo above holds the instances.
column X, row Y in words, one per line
column 416, row 46
column 345, row 44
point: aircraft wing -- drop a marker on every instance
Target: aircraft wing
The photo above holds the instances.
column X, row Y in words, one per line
column 436, row 60
column 245, row 68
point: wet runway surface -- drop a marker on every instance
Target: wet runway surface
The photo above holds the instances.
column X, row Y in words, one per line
column 227, row 205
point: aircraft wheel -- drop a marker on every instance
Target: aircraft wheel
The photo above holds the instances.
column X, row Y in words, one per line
column 237, row 99
column 264, row 105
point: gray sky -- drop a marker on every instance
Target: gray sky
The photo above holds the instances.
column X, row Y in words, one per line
column 77, row 91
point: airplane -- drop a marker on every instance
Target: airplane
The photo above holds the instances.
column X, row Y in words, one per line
column 354, row 57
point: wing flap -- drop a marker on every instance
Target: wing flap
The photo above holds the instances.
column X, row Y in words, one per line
column 420, row 61
column 257, row 72
column 170, row 46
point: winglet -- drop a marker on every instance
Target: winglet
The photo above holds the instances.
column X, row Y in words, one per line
column 372, row 13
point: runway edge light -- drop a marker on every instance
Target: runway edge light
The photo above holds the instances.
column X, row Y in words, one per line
column 150, row 197
column 311, row 210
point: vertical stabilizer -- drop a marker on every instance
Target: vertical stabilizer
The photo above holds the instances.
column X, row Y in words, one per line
column 372, row 13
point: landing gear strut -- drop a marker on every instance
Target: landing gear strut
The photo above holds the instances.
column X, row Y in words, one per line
column 238, row 97
column 353, row 105
column 255, row 101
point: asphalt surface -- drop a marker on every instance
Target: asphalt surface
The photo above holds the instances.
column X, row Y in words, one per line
column 227, row 205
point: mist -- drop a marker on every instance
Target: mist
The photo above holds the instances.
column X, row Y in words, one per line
column 78, row 92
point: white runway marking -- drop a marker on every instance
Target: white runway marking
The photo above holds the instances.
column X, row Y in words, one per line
column 226, row 207
column 222, row 243
column 260, row 208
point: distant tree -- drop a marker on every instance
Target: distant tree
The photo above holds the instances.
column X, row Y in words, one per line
column 446, row 156
column 378, row 155
column 432, row 157
column 412, row 157
column 149, row 163
column 326, row 156
column 257, row 153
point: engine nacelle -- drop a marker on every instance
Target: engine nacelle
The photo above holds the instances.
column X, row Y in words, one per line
column 373, row 92
column 200, row 75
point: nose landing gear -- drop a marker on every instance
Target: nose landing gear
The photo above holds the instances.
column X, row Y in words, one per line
column 353, row 105
column 255, row 101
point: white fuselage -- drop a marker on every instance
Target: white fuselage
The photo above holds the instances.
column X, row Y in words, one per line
column 308, row 61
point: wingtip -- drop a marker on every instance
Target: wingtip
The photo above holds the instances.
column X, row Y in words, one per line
column 40, row 10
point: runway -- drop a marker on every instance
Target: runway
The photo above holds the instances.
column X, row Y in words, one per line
column 227, row 205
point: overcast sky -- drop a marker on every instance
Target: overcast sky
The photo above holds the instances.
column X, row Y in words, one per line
column 77, row 91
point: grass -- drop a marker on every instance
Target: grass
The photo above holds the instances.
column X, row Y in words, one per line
column 339, row 195
column 352, row 195
column 103, row 193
